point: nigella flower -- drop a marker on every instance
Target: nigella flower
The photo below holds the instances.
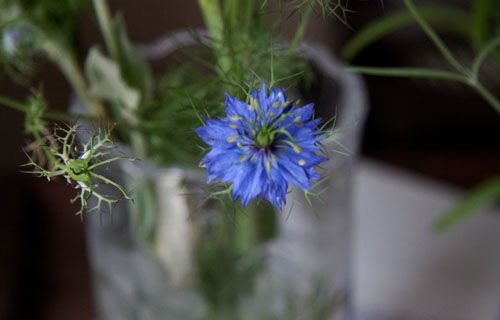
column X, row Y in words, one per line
column 17, row 39
column 262, row 146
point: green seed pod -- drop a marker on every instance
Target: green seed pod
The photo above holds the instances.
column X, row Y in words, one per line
column 78, row 170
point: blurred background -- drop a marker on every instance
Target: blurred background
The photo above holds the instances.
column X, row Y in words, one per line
column 436, row 129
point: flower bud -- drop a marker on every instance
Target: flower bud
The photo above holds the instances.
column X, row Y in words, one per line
column 17, row 40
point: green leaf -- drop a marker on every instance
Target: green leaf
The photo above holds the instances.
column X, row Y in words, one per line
column 442, row 17
column 134, row 69
column 483, row 195
column 486, row 23
column 106, row 81
column 482, row 55
column 486, row 16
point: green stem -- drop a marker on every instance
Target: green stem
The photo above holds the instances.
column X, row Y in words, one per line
column 47, row 150
column 410, row 73
column 214, row 22
column 448, row 55
column 72, row 72
column 482, row 56
column 444, row 17
column 104, row 20
column 432, row 74
column 48, row 114
column 302, row 27
column 465, row 76
column 231, row 11
column 481, row 196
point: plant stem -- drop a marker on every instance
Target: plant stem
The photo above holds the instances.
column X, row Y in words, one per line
column 446, row 17
column 410, row 73
column 72, row 72
column 49, row 114
column 482, row 56
column 469, row 77
column 104, row 19
column 231, row 12
column 481, row 196
column 214, row 22
column 102, row 11
column 448, row 55
column 432, row 74
column 301, row 28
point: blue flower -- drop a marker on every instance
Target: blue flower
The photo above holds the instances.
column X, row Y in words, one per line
column 262, row 146
column 17, row 39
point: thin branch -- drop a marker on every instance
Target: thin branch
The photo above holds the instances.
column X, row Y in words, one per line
column 448, row 55
column 409, row 73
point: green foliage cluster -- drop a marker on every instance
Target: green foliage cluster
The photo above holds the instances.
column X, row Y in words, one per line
column 240, row 56
column 480, row 27
column 25, row 25
column 60, row 154
column 156, row 114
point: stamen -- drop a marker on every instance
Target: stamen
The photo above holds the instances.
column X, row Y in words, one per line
column 254, row 103
column 302, row 162
column 231, row 139
column 297, row 148
column 268, row 164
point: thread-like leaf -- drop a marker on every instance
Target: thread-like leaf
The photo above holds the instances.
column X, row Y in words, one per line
column 483, row 195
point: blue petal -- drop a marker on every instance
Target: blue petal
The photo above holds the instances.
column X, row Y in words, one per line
column 219, row 163
column 294, row 173
column 254, row 185
column 305, row 113
column 236, row 108
column 242, row 174
column 276, row 188
column 262, row 97
column 235, row 159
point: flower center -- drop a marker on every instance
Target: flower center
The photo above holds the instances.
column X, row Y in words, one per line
column 265, row 138
column 78, row 170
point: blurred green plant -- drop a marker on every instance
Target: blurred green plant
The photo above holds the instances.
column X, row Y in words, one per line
column 487, row 193
column 469, row 75
column 481, row 27
column 156, row 115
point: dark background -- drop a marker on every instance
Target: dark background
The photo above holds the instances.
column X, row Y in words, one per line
column 438, row 129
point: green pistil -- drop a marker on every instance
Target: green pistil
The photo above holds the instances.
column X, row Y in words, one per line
column 265, row 137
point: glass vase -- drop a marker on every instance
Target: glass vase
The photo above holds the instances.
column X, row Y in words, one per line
column 174, row 253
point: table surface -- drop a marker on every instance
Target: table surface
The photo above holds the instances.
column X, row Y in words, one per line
column 403, row 269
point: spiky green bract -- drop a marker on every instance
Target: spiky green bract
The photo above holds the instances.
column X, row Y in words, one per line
column 262, row 146
column 337, row 8
column 60, row 154
column 254, row 49
column 79, row 163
